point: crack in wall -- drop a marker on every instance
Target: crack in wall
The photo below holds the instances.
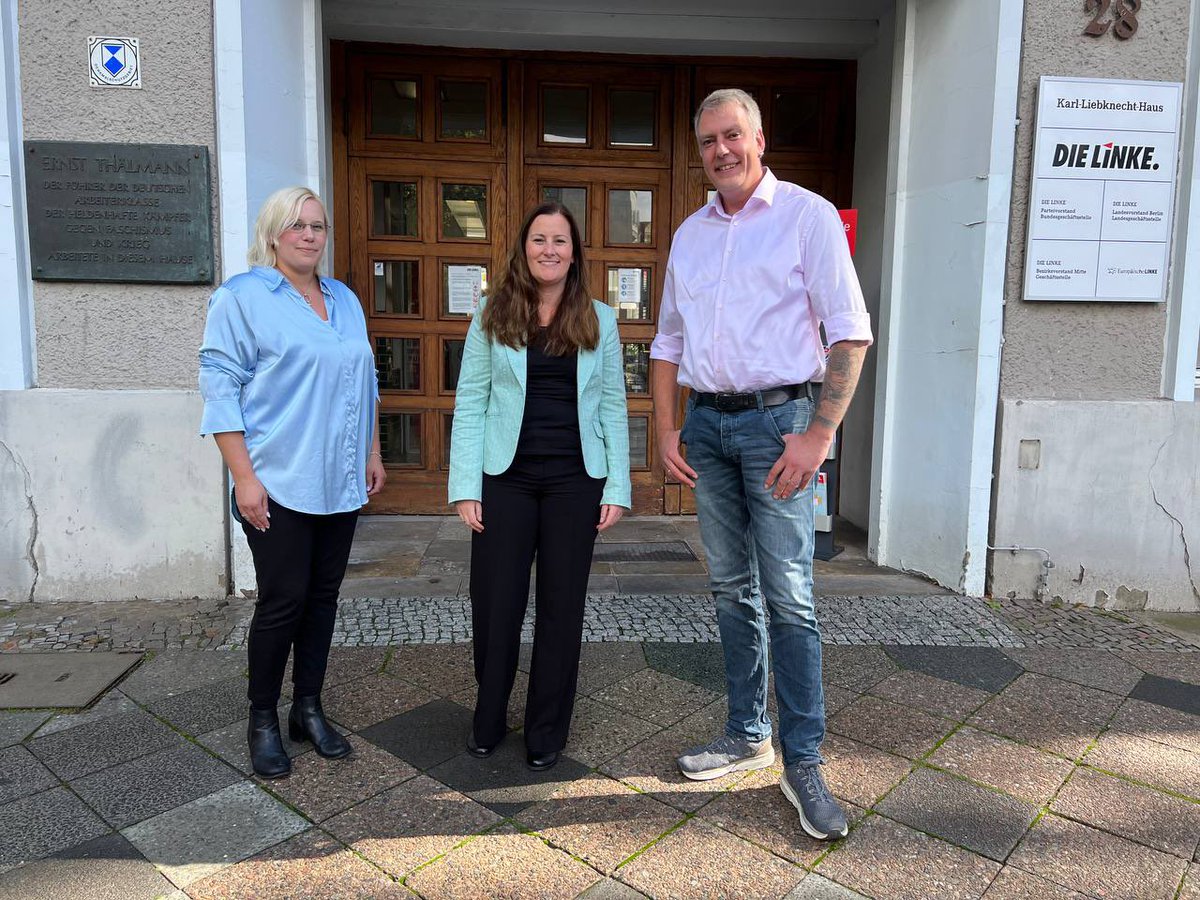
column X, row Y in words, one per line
column 1187, row 556
column 31, row 545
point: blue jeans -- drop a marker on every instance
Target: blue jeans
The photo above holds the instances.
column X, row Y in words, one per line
column 760, row 549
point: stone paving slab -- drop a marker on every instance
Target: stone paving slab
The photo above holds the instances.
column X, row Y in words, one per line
column 205, row 709
column 411, row 824
column 1168, row 692
column 200, row 838
column 1013, row 884
column 600, row 732
column 1157, row 723
column 484, row 867
column 311, row 864
column 21, row 774
column 111, row 704
column 1149, row 762
column 983, row 668
column 375, row 698
column 425, row 736
column 882, row 858
column 320, row 788
column 41, row 824
column 599, row 820
column 1095, row 862
column 1140, row 814
column 889, row 726
column 1025, row 772
column 654, row 697
column 104, row 868
column 987, row 822
column 756, row 810
column 101, row 744
column 502, row 782
column 690, row 861
column 935, row 696
column 16, row 726
column 818, row 887
column 149, row 785
column 180, row 672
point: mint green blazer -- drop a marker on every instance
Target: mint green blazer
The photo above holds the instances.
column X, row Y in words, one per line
column 490, row 405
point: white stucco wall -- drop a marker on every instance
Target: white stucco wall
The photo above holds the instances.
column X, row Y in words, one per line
column 940, row 323
column 1113, row 499
column 872, row 139
column 108, row 495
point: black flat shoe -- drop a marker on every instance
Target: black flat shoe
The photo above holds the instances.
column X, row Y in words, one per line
column 306, row 722
column 540, row 762
column 266, row 745
column 476, row 750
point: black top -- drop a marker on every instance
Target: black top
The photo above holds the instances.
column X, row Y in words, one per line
column 551, row 423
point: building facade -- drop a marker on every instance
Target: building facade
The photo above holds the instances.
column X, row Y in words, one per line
column 1066, row 430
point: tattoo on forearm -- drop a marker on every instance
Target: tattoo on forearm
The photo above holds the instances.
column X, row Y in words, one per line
column 841, row 378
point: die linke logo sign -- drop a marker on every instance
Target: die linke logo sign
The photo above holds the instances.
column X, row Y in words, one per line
column 1110, row 155
column 1101, row 202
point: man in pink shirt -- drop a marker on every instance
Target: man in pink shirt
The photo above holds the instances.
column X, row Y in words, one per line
column 751, row 278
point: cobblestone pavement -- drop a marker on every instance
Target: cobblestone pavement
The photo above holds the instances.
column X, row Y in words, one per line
column 921, row 620
column 968, row 772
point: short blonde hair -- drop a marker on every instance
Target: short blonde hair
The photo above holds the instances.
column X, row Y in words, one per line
column 737, row 97
column 279, row 211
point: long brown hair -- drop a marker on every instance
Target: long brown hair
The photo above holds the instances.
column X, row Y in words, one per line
column 511, row 314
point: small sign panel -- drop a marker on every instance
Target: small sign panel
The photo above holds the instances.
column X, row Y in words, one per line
column 464, row 289
column 850, row 226
column 119, row 212
column 114, row 62
column 1103, row 186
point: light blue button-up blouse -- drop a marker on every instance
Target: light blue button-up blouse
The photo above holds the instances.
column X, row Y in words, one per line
column 303, row 390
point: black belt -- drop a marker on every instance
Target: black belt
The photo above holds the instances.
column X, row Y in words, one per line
column 731, row 402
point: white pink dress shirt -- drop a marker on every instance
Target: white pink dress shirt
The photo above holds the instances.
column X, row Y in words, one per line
column 745, row 294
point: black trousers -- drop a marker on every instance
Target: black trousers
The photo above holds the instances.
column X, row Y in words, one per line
column 548, row 507
column 299, row 563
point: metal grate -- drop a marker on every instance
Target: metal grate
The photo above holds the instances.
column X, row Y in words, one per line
column 640, row 551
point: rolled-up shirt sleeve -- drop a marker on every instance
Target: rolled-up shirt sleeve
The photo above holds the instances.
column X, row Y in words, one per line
column 668, row 342
column 832, row 282
column 228, row 357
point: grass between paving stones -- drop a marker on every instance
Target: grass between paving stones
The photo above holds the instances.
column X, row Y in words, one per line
column 687, row 817
column 462, row 843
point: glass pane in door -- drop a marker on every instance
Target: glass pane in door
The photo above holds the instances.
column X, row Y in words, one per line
column 394, row 107
column 631, row 116
column 464, row 211
column 565, row 115
column 400, row 438
column 396, row 288
column 574, row 199
column 629, row 216
column 394, row 208
column 463, row 110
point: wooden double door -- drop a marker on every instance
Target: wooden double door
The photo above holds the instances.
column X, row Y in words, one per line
column 438, row 154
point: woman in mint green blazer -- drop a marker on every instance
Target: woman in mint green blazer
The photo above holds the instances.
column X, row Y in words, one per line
column 539, row 463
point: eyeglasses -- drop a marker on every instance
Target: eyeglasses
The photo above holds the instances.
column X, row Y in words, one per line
column 318, row 228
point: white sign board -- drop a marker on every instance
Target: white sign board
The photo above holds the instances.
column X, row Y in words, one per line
column 464, row 288
column 114, row 62
column 1103, row 187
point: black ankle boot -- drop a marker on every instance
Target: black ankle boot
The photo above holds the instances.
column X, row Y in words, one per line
column 306, row 722
column 266, row 745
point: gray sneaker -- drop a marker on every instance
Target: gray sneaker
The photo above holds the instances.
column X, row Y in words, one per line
column 724, row 755
column 820, row 815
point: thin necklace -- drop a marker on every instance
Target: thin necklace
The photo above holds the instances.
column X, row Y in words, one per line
column 302, row 293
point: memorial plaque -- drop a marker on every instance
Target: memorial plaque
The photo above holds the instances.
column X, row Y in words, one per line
column 119, row 212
